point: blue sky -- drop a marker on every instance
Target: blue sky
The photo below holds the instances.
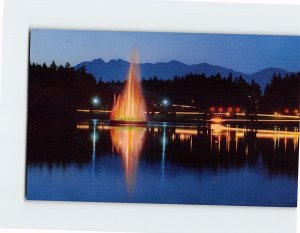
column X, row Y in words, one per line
column 245, row 53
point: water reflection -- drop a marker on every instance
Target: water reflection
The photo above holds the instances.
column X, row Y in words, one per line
column 94, row 138
column 219, row 131
column 128, row 142
column 106, row 163
column 186, row 146
column 163, row 151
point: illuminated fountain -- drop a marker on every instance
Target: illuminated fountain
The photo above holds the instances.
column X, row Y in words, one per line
column 129, row 109
column 130, row 106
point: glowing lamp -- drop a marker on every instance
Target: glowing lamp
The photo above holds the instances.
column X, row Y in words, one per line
column 212, row 109
column 165, row 102
column 96, row 101
column 217, row 120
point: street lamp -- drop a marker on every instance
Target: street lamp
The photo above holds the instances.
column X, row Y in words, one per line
column 96, row 101
column 165, row 102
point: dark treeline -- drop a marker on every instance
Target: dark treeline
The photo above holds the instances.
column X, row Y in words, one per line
column 202, row 91
column 55, row 90
column 282, row 94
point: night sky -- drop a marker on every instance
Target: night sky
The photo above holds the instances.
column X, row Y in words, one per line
column 245, row 53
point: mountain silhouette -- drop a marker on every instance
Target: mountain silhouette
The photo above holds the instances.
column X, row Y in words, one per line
column 117, row 70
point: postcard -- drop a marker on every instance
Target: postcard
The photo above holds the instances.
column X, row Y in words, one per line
column 167, row 118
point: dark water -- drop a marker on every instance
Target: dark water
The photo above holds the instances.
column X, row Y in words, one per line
column 220, row 165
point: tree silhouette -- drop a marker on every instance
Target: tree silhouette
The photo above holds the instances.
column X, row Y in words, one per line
column 56, row 89
column 282, row 93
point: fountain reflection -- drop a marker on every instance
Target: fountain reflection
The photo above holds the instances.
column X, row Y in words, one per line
column 189, row 147
column 128, row 143
column 159, row 157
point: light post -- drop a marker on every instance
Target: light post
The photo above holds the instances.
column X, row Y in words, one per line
column 165, row 108
column 165, row 102
column 96, row 102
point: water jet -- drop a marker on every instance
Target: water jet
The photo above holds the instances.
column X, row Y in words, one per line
column 129, row 107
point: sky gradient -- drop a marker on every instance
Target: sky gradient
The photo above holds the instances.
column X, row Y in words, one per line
column 244, row 53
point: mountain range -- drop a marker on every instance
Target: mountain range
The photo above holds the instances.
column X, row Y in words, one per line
column 117, row 70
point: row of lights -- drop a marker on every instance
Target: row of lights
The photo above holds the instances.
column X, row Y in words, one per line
column 287, row 111
column 96, row 101
column 213, row 109
column 295, row 111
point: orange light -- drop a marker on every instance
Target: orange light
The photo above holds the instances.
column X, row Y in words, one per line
column 217, row 120
column 83, row 110
column 183, row 137
column 220, row 109
column 188, row 113
column 286, row 111
column 230, row 109
column 82, row 126
column 183, row 106
column 237, row 109
column 130, row 104
column 212, row 109
column 128, row 142
column 217, row 128
column 186, row 131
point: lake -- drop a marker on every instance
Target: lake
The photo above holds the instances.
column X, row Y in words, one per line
column 163, row 163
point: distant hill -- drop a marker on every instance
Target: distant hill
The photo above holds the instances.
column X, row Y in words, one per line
column 118, row 69
column 264, row 76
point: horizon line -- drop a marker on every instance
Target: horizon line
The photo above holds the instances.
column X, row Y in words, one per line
column 165, row 62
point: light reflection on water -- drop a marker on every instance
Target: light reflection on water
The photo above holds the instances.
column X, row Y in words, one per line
column 128, row 143
column 220, row 164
